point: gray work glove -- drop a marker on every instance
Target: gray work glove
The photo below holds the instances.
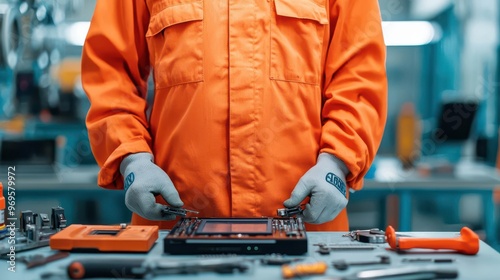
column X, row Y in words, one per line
column 325, row 183
column 143, row 180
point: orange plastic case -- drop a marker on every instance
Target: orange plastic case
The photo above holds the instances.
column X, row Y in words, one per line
column 117, row 238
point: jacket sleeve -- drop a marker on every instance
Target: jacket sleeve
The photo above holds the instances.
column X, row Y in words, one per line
column 115, row 68
column 355, row 92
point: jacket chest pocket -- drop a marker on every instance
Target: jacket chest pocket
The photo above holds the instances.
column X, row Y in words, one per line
column 176, row 43
column 297, row 31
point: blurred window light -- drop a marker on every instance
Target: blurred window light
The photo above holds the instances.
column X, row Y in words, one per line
column 4, row 7
column 410, row 33
column 76, row 32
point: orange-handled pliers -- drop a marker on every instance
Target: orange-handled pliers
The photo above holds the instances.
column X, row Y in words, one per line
column 467, row 243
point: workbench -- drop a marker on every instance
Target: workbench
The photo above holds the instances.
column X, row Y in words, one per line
column 467, row 177
column 70, row 185
column 484, row 265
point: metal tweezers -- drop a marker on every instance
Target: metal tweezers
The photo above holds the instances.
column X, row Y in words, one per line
column 177, row 211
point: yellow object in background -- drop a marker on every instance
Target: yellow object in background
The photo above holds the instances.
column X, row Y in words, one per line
column 408, row 135
column 66, row 73
column 15, row 125
column 304, row 269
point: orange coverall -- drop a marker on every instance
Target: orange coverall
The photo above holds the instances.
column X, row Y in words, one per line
column 247, row 93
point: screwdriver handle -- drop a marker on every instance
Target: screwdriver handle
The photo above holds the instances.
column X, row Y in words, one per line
column 108, row 268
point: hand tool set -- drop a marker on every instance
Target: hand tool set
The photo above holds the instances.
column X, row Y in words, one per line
column 226, row 244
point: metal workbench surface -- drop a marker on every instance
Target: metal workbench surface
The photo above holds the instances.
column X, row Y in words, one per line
column 484, row 265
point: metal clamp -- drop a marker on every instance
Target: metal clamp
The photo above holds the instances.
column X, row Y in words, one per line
column 373, row 235
column 290, row 212
column 167, row 210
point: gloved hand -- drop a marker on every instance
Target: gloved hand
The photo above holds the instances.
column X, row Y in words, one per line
column 143, row 180
column 325, row 183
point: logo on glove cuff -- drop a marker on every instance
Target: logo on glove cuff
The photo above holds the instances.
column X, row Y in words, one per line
column 129, row 180
column 336, row 181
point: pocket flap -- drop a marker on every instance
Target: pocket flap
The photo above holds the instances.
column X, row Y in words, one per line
column 176, row 14
column 303, row 9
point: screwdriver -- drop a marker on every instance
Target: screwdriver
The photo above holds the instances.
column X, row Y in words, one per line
column 142, row 269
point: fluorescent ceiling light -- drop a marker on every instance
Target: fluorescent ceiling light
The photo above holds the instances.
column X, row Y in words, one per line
column 396, row 33
column 410, row 33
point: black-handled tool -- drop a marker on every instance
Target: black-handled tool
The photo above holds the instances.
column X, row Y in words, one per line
column 107, row 268
column 139, row 268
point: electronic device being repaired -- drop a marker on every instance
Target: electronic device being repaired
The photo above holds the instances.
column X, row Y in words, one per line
column 108, row 238
column 248, row 236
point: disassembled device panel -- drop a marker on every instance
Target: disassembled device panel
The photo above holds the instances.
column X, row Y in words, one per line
column 35, row 230
column 247, row 236
column 117, row 238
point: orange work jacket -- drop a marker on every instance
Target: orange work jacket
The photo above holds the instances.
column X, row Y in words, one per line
column 247, row 93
